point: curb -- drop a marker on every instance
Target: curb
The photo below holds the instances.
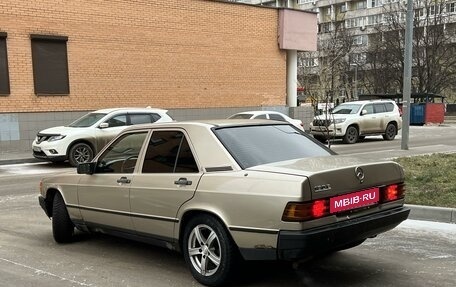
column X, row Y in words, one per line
column 19, row 161
column 432, row 213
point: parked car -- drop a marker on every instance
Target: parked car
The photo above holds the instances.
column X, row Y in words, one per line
column 82, row 139
column 225, row 190
column 269, row 115
column 352, row 121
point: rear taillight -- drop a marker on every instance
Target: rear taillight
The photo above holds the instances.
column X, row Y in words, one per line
column 299, row 211
column 304, row 211
column 392, row 192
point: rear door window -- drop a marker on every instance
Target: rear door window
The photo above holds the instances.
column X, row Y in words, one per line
column 169, row 152
column 389, row 107
column 380, row 108
column 136, row 119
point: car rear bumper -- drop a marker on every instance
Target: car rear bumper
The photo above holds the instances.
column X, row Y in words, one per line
column 294, row 245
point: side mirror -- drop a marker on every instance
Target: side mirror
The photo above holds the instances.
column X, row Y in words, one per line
column 364, row 112
column 103, row 126
column 86, row 168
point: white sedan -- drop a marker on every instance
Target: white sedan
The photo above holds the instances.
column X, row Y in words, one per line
column 269, row 115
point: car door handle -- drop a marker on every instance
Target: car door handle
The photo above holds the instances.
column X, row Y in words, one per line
column 183, row 181
column 123, row 179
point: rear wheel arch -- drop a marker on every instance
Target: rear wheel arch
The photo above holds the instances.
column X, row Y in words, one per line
column 188, row 215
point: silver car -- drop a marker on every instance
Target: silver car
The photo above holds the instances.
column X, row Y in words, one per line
column 227, row 190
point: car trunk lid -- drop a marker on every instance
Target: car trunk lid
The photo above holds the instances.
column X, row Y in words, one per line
column 330, row 176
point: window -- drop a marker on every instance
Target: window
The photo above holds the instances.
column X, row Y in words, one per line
column 308, row 62
column 360, row 5
column 50, row 65
column 375, row 3
column 255, row 145
column 263, row 116
column 117, row 121
column 4, row 75
column 136, row 119
column 276, row 117
column 343, row 8
column 369, row 109
column 360, row 40
column 122, row 155
column 380, row 108
column 169, row 152
column 451, row 7
column 358, row 58
column 389, row 107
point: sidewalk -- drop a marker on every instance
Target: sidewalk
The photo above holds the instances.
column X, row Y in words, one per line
column 429, row 213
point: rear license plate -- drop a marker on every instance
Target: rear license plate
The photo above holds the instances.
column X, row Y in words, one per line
column 354, row 200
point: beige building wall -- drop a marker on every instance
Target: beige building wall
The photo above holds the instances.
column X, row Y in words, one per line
column 167, row 54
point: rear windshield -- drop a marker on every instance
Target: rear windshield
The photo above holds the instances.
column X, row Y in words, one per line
column 346, row 109
column 256, row 145
column 87, row 120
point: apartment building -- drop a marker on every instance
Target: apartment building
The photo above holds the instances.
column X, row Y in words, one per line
column 363, row 30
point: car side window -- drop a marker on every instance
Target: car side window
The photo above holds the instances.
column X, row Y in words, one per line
column 136, row 119
column 389, row 107
column 380, row 108
column 117, row 121
column 169, row 152
column 263, row 116
column 121, row 156
column 276, row 117
column 369, row 108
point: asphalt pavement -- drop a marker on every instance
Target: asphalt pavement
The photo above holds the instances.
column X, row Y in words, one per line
column 429, row 213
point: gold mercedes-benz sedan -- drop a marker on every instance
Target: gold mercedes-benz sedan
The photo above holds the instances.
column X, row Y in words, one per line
column 226, row 190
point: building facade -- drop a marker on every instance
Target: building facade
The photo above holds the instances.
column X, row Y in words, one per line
column 361, row 47
column 198, row 59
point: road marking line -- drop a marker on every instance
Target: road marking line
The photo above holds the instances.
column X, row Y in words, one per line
column 42, row 272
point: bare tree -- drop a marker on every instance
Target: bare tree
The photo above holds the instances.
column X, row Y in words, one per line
column 434, row 58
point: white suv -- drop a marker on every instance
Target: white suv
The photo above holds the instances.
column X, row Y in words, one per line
column 352, row 121
column 82, row 139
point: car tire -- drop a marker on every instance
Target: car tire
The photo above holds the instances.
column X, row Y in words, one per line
column 351, row 135
column 209, row 251
column 62, row 226
column 80, row 153
column 390, row 132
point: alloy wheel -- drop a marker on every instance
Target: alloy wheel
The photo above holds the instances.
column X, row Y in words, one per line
column 204, row 250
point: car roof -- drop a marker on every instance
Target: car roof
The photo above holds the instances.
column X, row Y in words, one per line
column 143, row 110
column 368, row 101
column 260, row 112
column 210, row 123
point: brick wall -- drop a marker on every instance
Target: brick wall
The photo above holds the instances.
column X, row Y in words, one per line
column 167, row 54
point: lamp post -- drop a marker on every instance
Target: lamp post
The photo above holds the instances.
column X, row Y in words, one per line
column 355, row 94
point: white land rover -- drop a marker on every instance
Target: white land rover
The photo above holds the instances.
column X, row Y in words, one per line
column 352, row 121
